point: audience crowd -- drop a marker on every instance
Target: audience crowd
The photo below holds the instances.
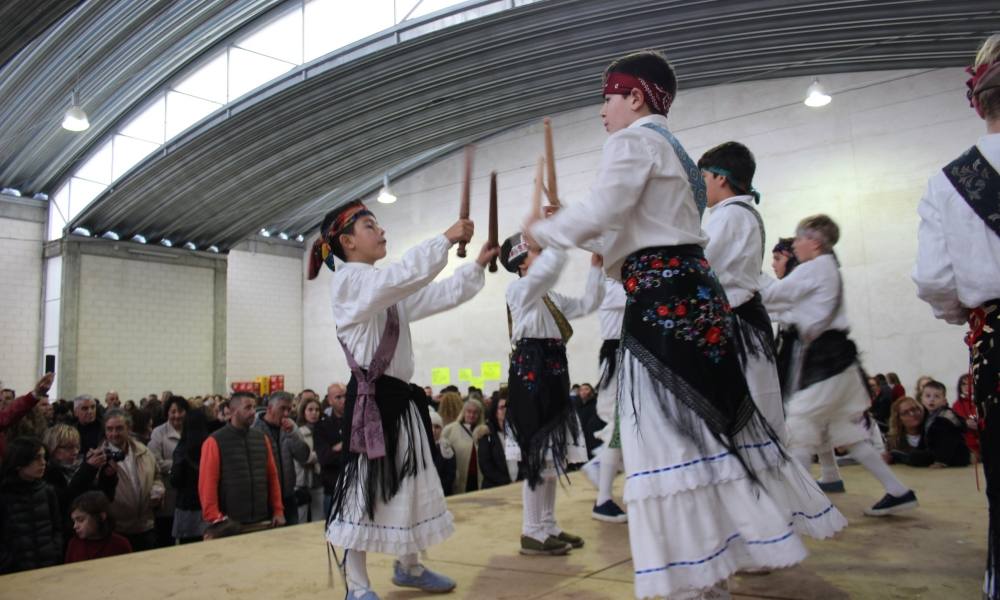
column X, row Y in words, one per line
column 85, row 479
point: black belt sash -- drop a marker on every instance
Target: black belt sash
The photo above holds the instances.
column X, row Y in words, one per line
column 754, row 336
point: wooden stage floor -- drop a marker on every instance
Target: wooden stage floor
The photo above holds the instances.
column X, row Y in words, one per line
column 936, row 551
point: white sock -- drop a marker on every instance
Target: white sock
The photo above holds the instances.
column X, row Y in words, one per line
column 549, row 507
column 532, row 501
column 611, row 459
column 828, row 466
column 357, row 571
column 411, row 564
column 869, row 459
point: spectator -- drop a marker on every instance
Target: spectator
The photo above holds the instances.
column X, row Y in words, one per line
column 450, row 407
column 308, row 482
column 13, row 409
column 94, row 528
column 141, row 425
column 70, row 475
column 188, row 523
column 966, row 410
column 329, row 447
column 493, row 463
column 91, row 432
column 30, row 522
column 911, row 441
column 287, row 445
column 48, row 411
column 586, row 410
column 162, row 443
column 335, row 392
column 459, row 437
column 238, row 480
column 898, row 391
column 444, row 458
column 225, row 413
column 919, row 387
column 882, row 400
column 6, row 398
column 111, row 400
column 140, row 488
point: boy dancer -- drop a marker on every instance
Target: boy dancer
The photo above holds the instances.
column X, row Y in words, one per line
column 388, row 497
column 736, row 252
column 958, row 269
column 545, row 431
column 828, row 396
column 708, row 487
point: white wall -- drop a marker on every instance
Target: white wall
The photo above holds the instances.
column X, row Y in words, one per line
column 20, row 302
column 144, row 327
column 864, row 159
column 264, row 317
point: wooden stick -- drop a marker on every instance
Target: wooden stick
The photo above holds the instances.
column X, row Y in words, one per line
column 536, row 196
column 463, row 208
column 550, row 160
column 493, row 240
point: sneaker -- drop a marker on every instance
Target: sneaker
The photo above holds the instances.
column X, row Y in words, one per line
column 832, row 487
column 609, row 512
column 552, row 546
column 573, row 540
column 592, row 470
column 427, row 581
column 361, row 595
column 890, row 504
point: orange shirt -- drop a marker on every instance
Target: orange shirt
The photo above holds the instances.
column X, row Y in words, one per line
column 208, row 482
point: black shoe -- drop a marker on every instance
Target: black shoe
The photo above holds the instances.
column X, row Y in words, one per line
column 832, row 487
column 609, row 512
column 890, row 505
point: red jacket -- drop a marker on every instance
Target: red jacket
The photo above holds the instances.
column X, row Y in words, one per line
column 112, row 545
column 12, row 414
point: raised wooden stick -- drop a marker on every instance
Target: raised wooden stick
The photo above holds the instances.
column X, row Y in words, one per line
column 463, row 208
column 493, row 240
column 536, row 196
column 550, row 160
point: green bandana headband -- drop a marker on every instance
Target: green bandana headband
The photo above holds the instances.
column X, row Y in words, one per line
column 733, row 183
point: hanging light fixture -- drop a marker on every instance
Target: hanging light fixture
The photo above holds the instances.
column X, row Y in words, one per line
column 75, row 119
column 385, row 195
column 815, row 96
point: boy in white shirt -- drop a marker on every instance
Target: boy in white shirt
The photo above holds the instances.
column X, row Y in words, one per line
column 958, row 269
column 828, row 396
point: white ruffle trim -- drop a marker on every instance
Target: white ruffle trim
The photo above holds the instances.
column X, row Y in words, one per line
column 388, row 539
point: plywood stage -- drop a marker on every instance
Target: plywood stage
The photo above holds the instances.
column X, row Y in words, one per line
column 937, row 551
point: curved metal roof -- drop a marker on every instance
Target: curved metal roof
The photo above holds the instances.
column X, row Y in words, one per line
column 318, row 135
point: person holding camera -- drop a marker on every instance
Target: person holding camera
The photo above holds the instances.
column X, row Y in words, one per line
column 140, row 488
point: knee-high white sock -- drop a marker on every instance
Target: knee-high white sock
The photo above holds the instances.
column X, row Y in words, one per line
column 533, row 501
column 611, row 460
column 549, row 507
column 869, row 459
column 828, row 466
column 411, row 564
column 357, row 571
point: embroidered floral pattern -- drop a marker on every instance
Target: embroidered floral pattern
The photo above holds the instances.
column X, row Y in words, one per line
column 702, row 318
column 529, row 374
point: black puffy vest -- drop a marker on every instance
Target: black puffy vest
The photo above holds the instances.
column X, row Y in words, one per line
column 242, row 474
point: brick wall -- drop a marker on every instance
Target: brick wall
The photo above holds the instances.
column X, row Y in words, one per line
column 20, row 302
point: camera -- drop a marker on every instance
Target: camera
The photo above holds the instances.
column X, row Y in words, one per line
column 114, row 455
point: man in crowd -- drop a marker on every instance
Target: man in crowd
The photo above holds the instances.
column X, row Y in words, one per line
column 328, row 442
column 335, row 392
column 140, row 488
column 85, row 411
column 13, row 411
column 288, row 447
column 238, row 480
column 111, row 400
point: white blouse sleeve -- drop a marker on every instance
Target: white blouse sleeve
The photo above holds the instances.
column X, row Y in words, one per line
column 375, row 290
column 539, row 279
column 933, row 272
column 448, row 293
column 784, row 294
column 626, row 164
column 593, row 296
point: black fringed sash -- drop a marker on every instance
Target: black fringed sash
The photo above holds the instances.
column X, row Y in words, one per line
column 607, row 360
column 754, row 336
column 539, row 412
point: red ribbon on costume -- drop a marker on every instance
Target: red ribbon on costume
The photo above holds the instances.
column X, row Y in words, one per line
column 984, row 77
column 977, row 322
column 657, row 97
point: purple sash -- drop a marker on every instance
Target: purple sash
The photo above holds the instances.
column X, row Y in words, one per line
column 367, row 437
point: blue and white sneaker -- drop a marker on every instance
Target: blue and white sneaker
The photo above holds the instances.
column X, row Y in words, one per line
column 427, row 581
column 609, row 512
column 592, row 469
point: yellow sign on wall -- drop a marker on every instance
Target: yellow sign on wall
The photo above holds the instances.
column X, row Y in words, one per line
column 440, row 376
column 490, row 371
column 465, row 374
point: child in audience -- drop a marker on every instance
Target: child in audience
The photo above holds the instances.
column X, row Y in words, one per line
column 943, row 429
column 94, row 527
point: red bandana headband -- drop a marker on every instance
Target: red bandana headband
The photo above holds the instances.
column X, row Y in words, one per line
column 622, row 83
column 984, row 77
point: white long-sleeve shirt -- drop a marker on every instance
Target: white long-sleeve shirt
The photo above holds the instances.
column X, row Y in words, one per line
column 958, row 256
column 361, row 293
column 530, row 318
column 641, row 199
column 734, row 248
column 806, row 298
column 612, row 310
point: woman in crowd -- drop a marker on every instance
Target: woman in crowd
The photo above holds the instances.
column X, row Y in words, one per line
column 450, row 407
column 493, row 464
column 30, row 520
column 896, row 385
column 162, row 443
column 70, row 475
column 911, row 441
column 94, row 530
column 919, row 387
column 308, row 483
column 444, row 458
column 459, row 435
column 188, row 525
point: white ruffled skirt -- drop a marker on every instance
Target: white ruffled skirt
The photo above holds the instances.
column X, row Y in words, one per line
column 695, row 517
column 417, row 516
